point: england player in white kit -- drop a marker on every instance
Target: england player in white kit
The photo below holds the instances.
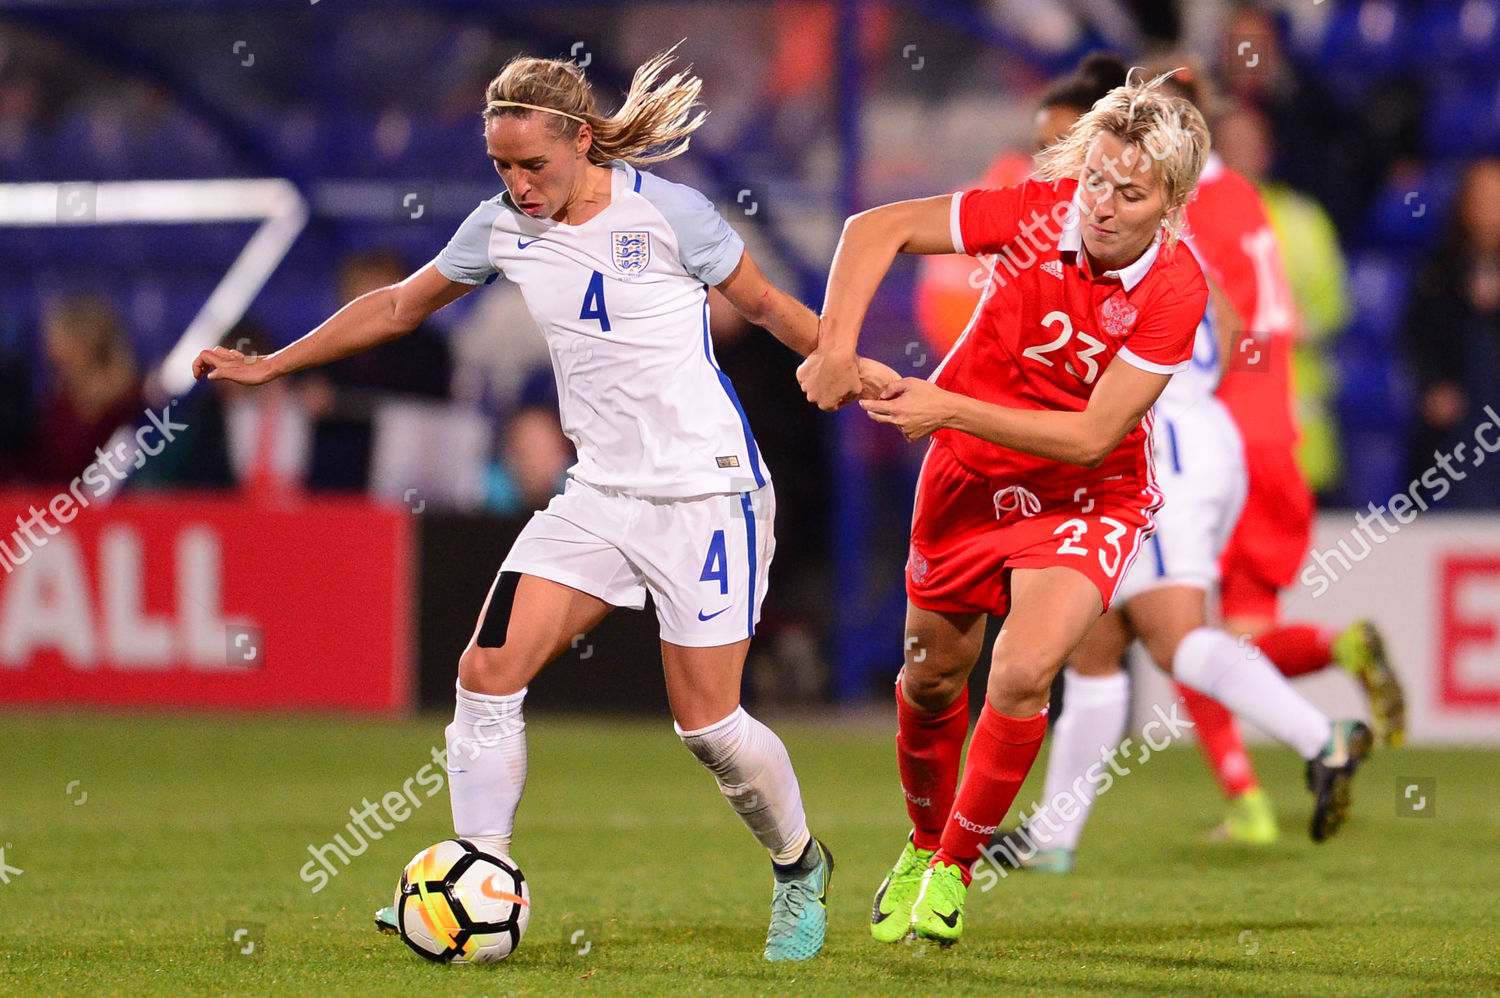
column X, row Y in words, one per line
column 670, row 494
column 669, row 487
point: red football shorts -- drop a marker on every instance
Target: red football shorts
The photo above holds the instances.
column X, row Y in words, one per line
column 1271, row 538
column 969, row 533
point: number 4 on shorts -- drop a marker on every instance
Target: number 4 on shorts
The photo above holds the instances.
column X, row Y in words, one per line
column 716, row 565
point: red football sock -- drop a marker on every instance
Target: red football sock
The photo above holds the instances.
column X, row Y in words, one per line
column 1219, row 737
column 1297, row 649
column 1000, row 756
column 929, row 748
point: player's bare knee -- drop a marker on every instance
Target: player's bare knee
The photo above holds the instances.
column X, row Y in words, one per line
column 932, row 690
column 492, row 671
column 1023, row 675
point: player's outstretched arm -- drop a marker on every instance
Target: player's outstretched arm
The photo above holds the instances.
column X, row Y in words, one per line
column 367, row 321
column 793, row 323
column 764, row 304
column 1119, row 402
column 869, row 244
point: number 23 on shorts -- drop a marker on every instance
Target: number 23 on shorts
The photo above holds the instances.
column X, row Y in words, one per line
column 1077, row 530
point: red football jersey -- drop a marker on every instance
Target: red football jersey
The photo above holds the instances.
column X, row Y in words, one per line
column 1228, row 229
column 1046, row 330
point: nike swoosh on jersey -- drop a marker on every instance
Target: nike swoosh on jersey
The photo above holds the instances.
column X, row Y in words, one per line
column 522, row 244
column 712, row 615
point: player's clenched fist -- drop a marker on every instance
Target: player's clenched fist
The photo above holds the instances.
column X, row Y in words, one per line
column 912, row 405
column 830, row 379
column 875, row 378
column 224, row 364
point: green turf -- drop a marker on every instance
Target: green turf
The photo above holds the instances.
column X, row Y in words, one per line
column 193, row 825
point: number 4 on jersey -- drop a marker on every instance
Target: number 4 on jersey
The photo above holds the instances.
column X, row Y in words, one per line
column 593, row 302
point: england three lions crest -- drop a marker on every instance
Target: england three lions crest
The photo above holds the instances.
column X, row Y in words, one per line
column 632, row 251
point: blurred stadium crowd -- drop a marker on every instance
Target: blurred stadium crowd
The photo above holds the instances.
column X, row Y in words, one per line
column 1372, row 129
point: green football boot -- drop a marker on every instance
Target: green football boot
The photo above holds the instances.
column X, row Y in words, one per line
column 1360, row 651
column 891, row 918
column 1250, row 820
column 939, row 912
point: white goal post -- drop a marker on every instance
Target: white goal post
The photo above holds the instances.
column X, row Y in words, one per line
column 276, row 203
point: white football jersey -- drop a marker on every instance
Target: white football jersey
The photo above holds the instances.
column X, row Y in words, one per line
column 1197, row 382
column 622, row 301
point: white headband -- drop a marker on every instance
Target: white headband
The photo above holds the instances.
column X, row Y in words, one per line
column 536, row 107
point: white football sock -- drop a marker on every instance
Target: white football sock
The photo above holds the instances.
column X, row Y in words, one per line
column 1092, row 724
column 755, row 774
column 1213, row 663
column 486, row 767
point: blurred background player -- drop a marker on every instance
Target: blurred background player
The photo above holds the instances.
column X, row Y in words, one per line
column 1231, row 236
column 1451, row 335
column 668, row 496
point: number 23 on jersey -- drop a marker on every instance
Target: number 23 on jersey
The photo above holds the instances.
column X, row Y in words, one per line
column 1061, row 324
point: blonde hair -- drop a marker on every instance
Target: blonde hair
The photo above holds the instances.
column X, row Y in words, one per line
column 1152, row 123
column 653, row 123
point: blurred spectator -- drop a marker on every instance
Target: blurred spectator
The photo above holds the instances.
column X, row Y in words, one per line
column 1452, row 338
column 1318, row 276
column 534, row 456
column 1338, row 150
column 93, row 388
column 343, row 395
column 415, row 364
column 1061, row 25
column 496, row 346
column 257, row 438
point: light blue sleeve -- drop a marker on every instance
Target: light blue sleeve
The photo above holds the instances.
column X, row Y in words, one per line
column 466, row 258
column 708, row 247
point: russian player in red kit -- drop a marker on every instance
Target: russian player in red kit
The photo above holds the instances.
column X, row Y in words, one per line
column 1037, row 489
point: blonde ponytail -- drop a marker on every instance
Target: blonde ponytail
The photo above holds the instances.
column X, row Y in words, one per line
column 653, row 124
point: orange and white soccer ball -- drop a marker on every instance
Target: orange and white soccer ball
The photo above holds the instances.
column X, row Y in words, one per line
column 459, row 904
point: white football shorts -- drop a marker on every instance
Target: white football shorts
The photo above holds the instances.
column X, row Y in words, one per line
column 703, row 559
column 1200, row 469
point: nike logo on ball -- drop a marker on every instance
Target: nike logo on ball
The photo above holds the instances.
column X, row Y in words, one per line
column 491, row 889
column 710, row 616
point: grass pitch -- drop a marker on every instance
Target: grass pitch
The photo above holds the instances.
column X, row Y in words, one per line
column 178, row 832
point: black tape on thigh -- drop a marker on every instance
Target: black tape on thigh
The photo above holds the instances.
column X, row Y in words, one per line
column 497, row 618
